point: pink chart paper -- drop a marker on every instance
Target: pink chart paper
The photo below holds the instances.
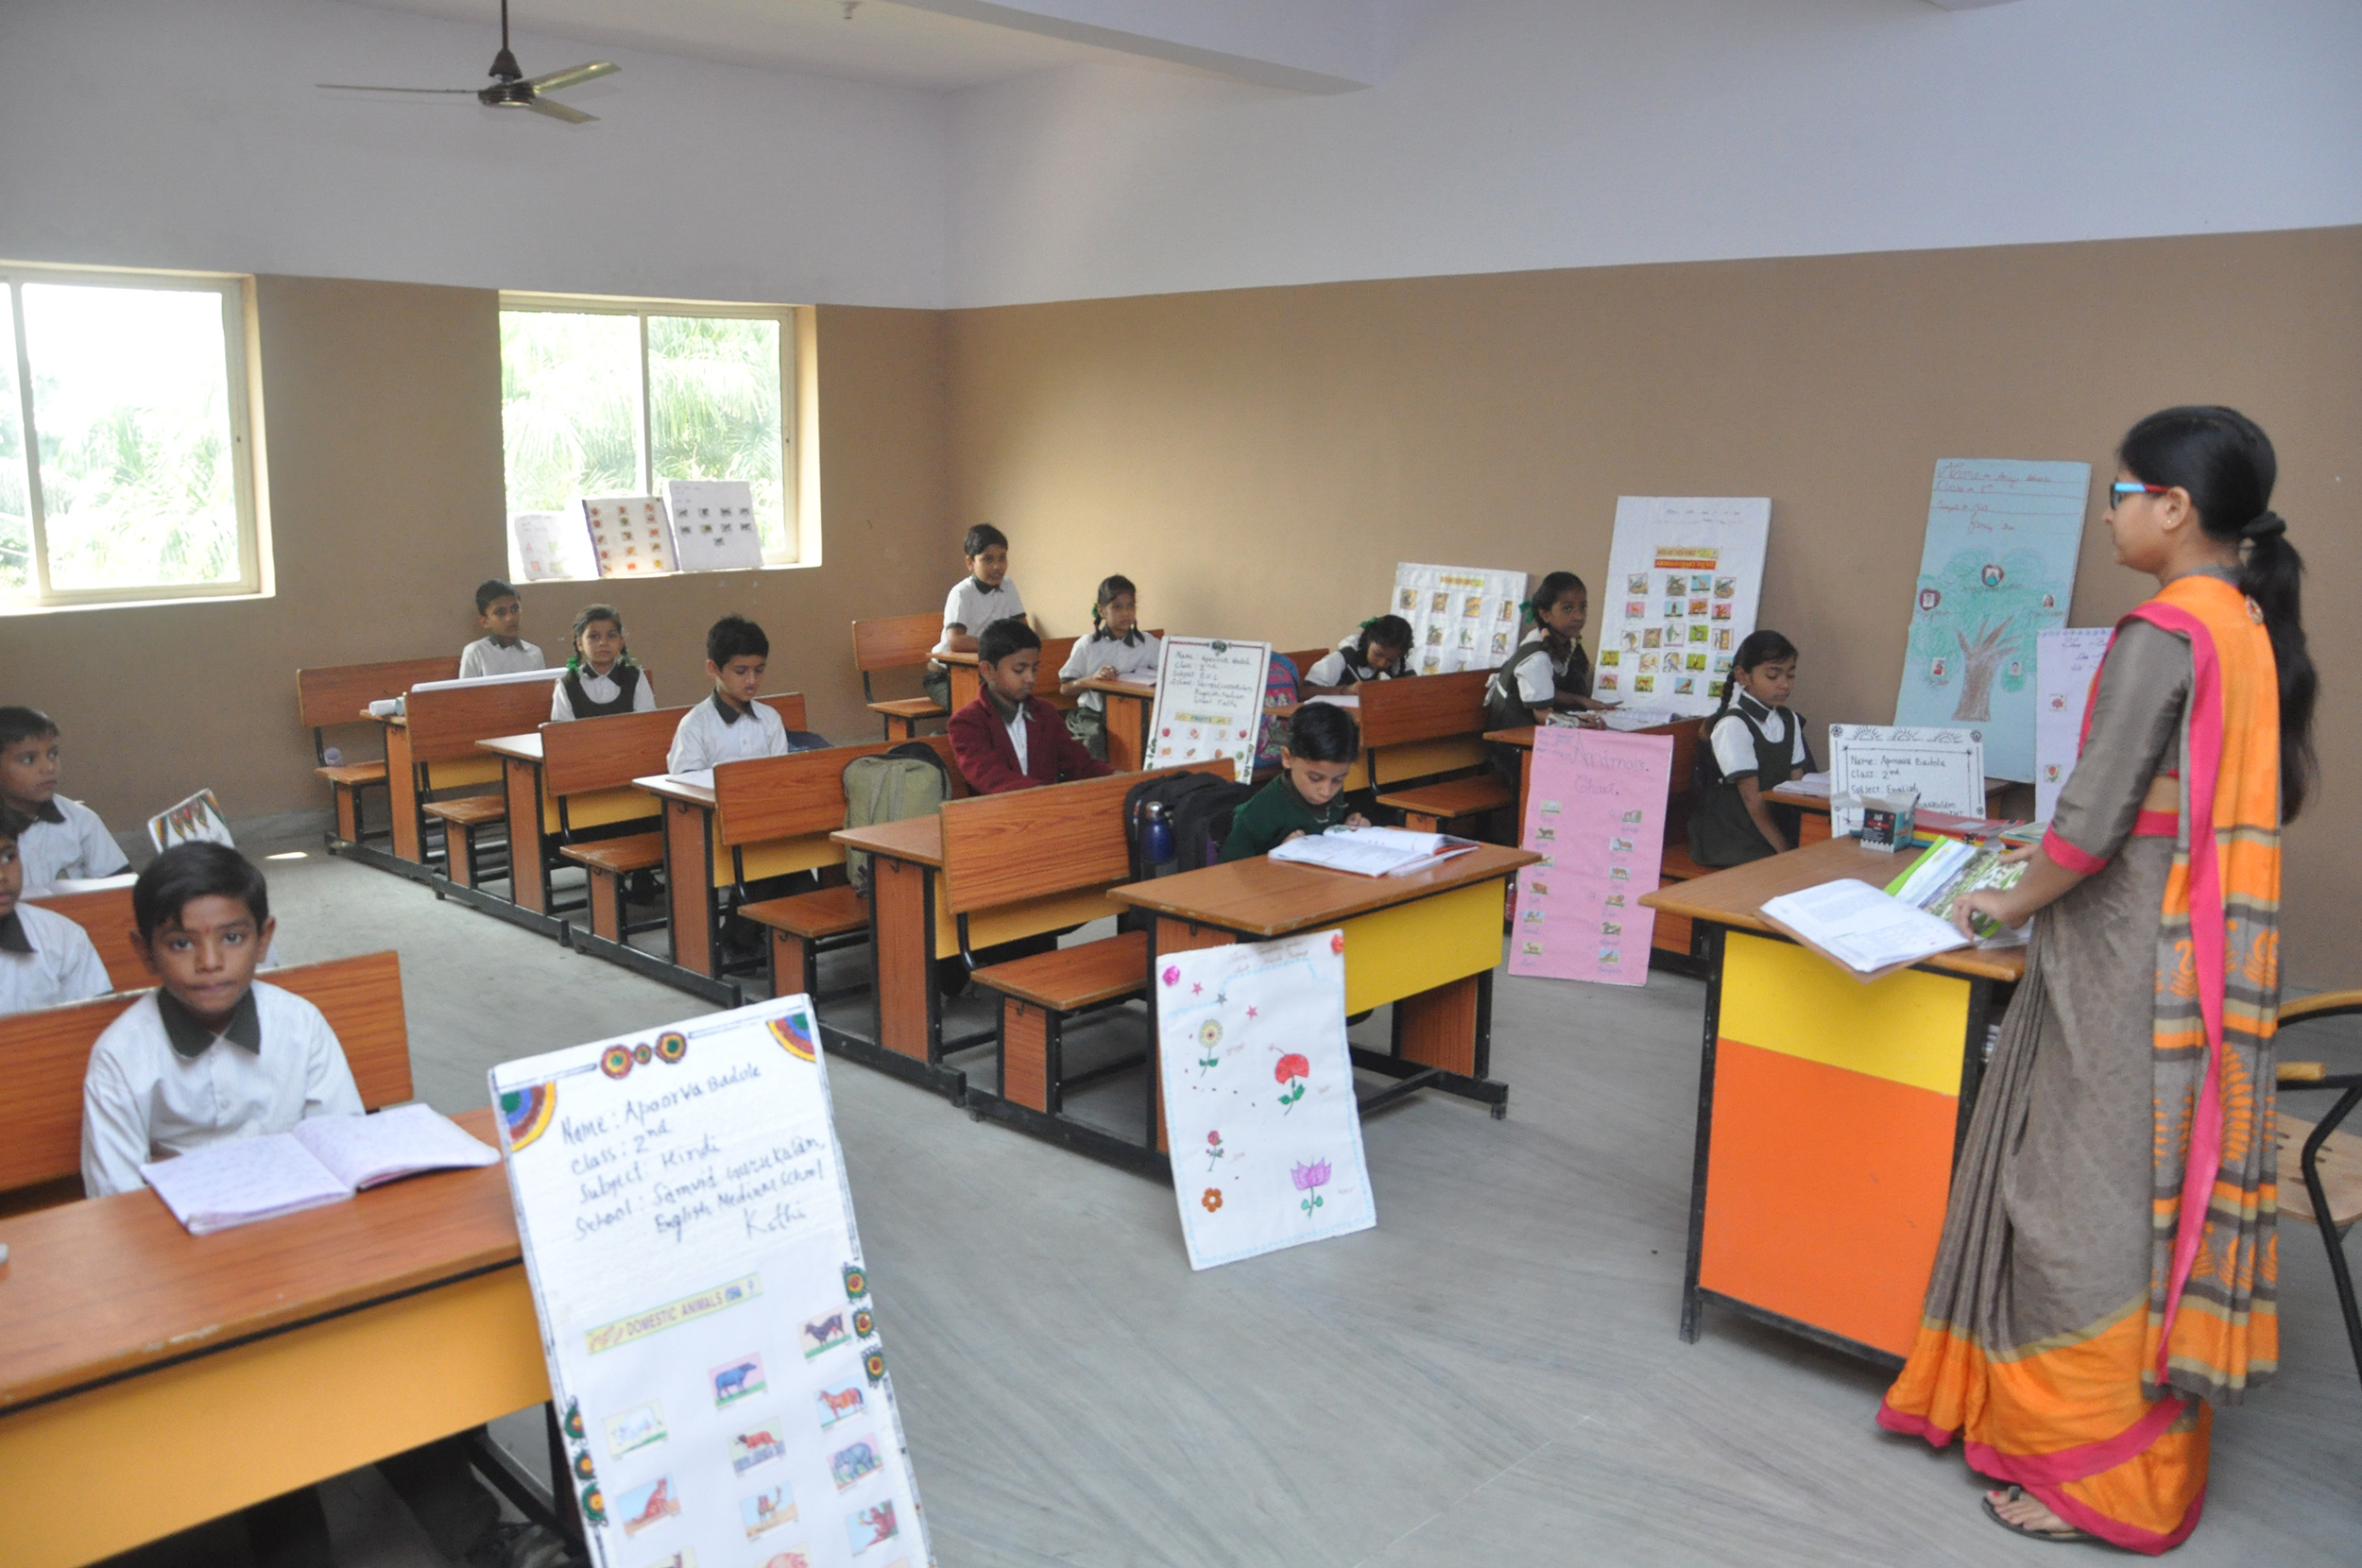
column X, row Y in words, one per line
column 1595, row 812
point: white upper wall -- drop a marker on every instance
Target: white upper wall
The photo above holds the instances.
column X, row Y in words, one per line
column 1517, row 134
column 188, row 133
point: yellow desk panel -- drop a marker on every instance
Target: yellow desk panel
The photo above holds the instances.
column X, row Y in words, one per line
column 1417, row 947
column 1907, row 1027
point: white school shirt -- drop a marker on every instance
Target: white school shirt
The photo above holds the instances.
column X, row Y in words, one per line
column 1016, row 729
column 145, row 1098
column 711, row 734
column 599, row 689
column 67, row 839
column 1537, row 683
column 1735, row 749
column 60, row 964
column 1340, row 667
column 1133, row 660
column 485, row 657
column 976, row 607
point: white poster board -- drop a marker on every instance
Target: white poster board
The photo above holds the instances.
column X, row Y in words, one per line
column 195, row 820
column 713, row 1349
column 713, row 524
column 1259, row 1108
column 631, row 533
column 1684, row 576
column 1946, row 766
column 546, row 547
column 1210, row 703
column 1997, row 568
column 1461, row 617
column 2064, row 662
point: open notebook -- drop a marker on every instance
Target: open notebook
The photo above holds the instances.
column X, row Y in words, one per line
column 323, row 1160
column 1872, row 930
column 1372, row 851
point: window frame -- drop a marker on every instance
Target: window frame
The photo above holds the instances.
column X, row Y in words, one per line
column 789, row 318
column 237, row 292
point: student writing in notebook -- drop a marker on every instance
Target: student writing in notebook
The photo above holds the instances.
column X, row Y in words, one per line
column 731, row 726
column 1379, row 651
column 1116, row 650
column 500, row 650
column 975, row 600
column 1753, row 743
column 602, row 677
column 1306, row 798
column 1005, row 739
column 45, row 958
column 66, row 839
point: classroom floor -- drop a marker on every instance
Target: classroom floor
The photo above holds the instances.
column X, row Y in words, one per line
column 1491, row 1376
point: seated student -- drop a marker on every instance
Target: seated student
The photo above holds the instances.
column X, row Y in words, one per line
column 66, row 839
column 1004, row 740
column 1116, row 650
column 732, row 727
column 215, row 1054
column 1752, row 738
column 500, row 650
column 1548, row 670
column 975, row 600
column 602, row 677
column 1379, row 651
column 45, row 958
column 1321, row 750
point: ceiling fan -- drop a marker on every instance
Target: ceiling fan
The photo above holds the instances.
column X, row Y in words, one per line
column 511, row 88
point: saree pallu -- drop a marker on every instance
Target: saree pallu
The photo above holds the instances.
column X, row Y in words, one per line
column 2043, row 1345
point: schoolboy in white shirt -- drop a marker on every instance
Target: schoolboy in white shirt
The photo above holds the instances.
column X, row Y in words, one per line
column 66, row 837
column 975, row 600
column 45, row 958
column 730, row 725
column 500, row 650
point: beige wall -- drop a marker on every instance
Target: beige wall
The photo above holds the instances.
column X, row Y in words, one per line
column 381, row 410
column 1258, row 459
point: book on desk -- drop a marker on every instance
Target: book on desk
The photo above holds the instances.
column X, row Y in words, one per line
column 321, row 1160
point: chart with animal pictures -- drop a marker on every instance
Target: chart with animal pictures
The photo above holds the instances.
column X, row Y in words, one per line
column 1684, row 576
column 713, row 523
column 713, row 1347
column 631, row 533
column 551, row 546
column 1210, row 703
column 1461, row 617
column 1595, row 812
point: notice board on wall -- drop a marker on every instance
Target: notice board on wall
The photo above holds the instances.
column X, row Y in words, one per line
column 1210, row 703
column 713, row 1347
column 1684, row 575
column 1595, row 812
column 1461, row 617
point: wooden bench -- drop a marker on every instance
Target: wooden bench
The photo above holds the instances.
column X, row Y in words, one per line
column 48, row 1052
column 434, row 750
column 897, row 643
column 335, row 696
column 966, row 681
column 608, row 864
column 105, row 915
column 470, row 817
column 802, row 925
column 1423, row 743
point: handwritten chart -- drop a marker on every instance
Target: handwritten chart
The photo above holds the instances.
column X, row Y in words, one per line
column 1684, row 576
column 1210, row 703
column 1999, row 568
column 1259, row 1112
column 1595, row 812
column 1461, row 617
column 1946, row 766
column 713, row 1349
column 2064, row 662
column 551, row 546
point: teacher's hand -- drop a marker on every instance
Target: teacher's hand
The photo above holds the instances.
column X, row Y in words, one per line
column 1993, row 903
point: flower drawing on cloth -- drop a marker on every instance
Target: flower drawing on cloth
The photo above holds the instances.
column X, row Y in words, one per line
column 1214, row 1151
column 1172, row 974
column 1291, row 1073
column 1310, row 1179
column 1209, row 1038
column 1212, row 1200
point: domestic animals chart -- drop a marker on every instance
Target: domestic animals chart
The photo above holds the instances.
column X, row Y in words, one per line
column 713, row 1347
column 1997, row 569
column 1595, row 812
column 2065, row 660
column 1683, row 577
column 713, row 523
column 1260, row 1110
column 1946, row 766
column 1461, row 617
column 631, row 533
column 1210, row 703
column 552, row 546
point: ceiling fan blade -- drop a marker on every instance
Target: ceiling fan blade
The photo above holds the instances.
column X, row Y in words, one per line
column 571, row 74
column 359, row 87
column 557, row 111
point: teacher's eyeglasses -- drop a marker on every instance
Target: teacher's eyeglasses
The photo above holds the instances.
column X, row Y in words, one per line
column 2123, row 487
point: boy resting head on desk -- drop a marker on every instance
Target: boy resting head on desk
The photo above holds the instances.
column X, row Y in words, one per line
column 732, row 727
column 1323, row 744
column 45, row 958
column 1004, row 740
column 66, row 837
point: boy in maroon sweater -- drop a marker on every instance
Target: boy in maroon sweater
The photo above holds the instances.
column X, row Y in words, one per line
column 1004, row 740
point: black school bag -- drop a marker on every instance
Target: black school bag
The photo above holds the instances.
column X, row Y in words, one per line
column 1198, row 806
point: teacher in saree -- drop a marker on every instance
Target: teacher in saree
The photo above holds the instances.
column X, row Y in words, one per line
column 2108, row 1271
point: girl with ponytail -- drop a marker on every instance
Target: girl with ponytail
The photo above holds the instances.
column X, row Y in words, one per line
column 1116, row 650
column 1752, row 744
column 1379, row 651
column 2108, row 1270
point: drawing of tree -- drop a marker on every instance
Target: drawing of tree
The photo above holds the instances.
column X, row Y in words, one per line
column 2003, row 601
column 1978, row 660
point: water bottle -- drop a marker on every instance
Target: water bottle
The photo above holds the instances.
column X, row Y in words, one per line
column 1156, row 834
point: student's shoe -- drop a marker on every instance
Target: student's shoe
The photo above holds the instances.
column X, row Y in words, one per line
column 509, row 1544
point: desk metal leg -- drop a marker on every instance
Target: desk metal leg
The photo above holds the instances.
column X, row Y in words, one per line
column 1692, row 1302
column 906, row 1010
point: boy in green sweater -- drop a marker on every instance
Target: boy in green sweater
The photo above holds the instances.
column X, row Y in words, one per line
column 1322, row 743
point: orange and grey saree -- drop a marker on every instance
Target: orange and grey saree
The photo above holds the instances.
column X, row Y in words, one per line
column 2107, row 1265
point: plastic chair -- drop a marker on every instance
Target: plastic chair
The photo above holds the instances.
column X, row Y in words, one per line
column 2314, row 1075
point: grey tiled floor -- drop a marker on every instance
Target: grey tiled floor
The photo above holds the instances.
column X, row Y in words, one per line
column 1491, row 1376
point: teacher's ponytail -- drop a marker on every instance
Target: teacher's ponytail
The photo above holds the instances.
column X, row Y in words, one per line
column 2226, row 463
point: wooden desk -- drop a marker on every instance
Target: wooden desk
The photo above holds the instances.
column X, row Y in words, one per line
column 151, row 1380
column 967, row 682
column 1131, row 707
column 436, row 745
column 1427, row 942
column 1829, row 1112
column 2005, row 800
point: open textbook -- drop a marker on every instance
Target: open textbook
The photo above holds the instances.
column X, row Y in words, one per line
column 1372, row 851
column 323, row 1160
column 1870, row 931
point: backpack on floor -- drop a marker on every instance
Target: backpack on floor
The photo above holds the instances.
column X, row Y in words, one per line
column 908, row 780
